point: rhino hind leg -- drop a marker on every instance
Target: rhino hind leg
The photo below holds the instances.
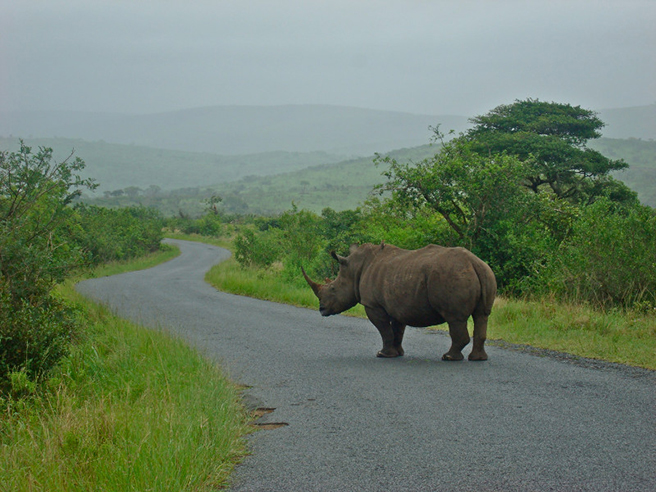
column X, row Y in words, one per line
column 480, row 335
column 459, row 340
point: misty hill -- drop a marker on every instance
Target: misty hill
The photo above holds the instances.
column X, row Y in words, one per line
column 116, row 166
column 232, row 130
column 347, row 184
column 636, row 122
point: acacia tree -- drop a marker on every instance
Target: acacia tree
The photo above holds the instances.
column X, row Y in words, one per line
column 551, row 139
column 481, row 200
column 469, row 190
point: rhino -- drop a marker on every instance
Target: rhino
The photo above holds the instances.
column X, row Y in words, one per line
column 424, row 287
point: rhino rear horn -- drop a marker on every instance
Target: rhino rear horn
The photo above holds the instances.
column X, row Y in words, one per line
column 340, row 259
column 315, row 286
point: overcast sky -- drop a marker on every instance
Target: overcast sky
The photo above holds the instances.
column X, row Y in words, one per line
column 418, row 56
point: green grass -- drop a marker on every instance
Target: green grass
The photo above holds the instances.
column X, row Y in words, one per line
column 616, row 336
column 129, row 409
column 230, row 277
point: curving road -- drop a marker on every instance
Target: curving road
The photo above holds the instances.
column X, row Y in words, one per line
column 360, row 423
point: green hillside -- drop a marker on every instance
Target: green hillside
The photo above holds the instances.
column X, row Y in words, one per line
column 347, row 184
column 339, row 185
column 116, row 166
column 641, row 157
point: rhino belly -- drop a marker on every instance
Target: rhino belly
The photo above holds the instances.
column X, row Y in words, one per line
column 418, row 316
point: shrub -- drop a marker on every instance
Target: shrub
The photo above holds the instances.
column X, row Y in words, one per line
column 34, row 335
column 115, row 234
column 608, row 259
column 255, row 250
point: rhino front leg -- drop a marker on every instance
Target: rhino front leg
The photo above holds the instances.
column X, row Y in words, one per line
column 382, row 321
column 459, row 339
column 399, row 330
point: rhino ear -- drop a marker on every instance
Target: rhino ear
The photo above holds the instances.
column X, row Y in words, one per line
column 382, row 244
column 340, row 259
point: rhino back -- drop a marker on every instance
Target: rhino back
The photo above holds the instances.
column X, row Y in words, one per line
column 423, row 287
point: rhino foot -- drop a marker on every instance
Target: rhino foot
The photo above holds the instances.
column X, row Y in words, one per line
column 478, row 356
column 452, row 357
column 388, row 354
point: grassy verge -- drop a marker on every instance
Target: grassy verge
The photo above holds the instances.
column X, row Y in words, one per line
column 616, row 336
column 129, row 409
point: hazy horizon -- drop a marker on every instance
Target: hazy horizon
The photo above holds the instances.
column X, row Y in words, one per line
column 414, row 56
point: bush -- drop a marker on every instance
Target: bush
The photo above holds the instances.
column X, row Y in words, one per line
column 34, row 335
column 608, row 259
column 35, row 328
column 255, row 250
column 115, row 234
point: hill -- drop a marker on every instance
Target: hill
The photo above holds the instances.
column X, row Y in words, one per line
column 116, row 166
column 641, row 157
column 347, row 184
column 637, row 122
column 233, row 130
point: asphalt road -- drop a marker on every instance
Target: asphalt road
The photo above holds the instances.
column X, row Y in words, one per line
column 519, row 421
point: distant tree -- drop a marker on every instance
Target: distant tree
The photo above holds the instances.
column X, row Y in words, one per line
column 212, row 204
column 132, row 191
column 551, row 139
column 153, row 190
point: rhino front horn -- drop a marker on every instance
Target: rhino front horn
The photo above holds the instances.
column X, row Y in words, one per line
column 315, row 286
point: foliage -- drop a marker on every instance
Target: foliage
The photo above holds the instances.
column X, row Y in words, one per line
column 608, row 259
column 34, row 336
column 34, row 198
column 551, row 138
column 253, row 250
column 468, row 190
column 115, row 234
column 42, row 240
column 128, row 409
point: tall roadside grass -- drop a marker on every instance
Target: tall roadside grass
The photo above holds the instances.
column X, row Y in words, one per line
column 627, row 337
column 229, row 276
column 129, row 409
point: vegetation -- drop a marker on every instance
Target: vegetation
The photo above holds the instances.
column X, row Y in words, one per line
column 550, row 139
column 42, row 240
column 129, row 408
column 89, row 401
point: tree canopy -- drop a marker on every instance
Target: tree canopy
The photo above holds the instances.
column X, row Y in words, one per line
column 551, row 139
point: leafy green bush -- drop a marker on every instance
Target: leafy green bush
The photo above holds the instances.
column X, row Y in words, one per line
column 34, row 336
column 255, row 250
column 608, row 259
column 114, row 234
column 35, row 328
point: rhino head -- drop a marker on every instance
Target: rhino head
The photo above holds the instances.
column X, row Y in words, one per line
column 339, row 295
